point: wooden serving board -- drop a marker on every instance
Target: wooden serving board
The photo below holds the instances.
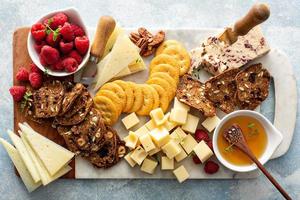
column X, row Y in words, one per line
column 285, row 115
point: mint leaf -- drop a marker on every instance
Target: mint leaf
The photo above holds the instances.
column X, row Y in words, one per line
column 55, row 34
column 48, row 31
column 251, row 125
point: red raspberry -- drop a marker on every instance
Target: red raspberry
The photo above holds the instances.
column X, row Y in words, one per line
column 17, row 92
column 34, row 68
column 67, row 32
column 35, row 80
column 211, row 167
column 38, row 46
column 70, row 64
column 82, row 44
column 22, row 74
column 58, row 66
column 77, row 30
column 43, row 61
column 65, row 47
column 209, row 143
column 52, row 40
column 50, row 55
column 74, row 54
column 38, row 31
column 201, row 134
column 196, row 160
column 57, row 20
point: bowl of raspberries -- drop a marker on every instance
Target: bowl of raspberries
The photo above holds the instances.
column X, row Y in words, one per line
column 58, row 43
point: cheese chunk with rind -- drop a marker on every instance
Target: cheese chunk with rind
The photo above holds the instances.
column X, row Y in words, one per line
column 142, row 131
column 180, row 105
column 139, row 155
column 129, row 160
column 210, row 123
column 167, row 163
column 188, row 143
column 160, row 136
column 178, row 116
column 181, row 174
column 147, row 143
column 131, row 140
column 181, row 156
column 191, row 123
column 178, row 135
column 150, row 125
column 157, row 115
column 171, row 149
column 203, row 151
column 149, row 166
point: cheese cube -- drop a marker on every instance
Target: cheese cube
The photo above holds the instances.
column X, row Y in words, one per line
column 141, row 131
column 158, row 116
column 191, row 123
column 150, row 125
column 160, row 136
column 130, row 120
column 130, row 161
column 147, row 143
column 203, row 151
column 188, row 143
column 210, row 123
column 182, row 155
column 131, row 140
column 167, row 163
column 180, row 105
column 149, row 166
column 178, row 135
column 178, row 116
column 181, row 174
column 154, row 151
column 138, row 155
column 171, row 149
column 169, row 124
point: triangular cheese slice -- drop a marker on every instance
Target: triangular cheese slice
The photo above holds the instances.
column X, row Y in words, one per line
column 44, row 174
column 134, row 67
column 123, row 53
column 19, row 164
column 53, row 156
column 112, row 40
column 24, row 155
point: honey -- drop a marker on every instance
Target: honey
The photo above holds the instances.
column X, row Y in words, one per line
column 255, row 136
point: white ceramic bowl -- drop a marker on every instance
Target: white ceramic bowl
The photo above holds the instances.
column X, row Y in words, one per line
column 274, row 138
column 75, row 18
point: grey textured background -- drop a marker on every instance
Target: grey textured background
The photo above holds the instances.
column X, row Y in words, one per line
column 282, row 30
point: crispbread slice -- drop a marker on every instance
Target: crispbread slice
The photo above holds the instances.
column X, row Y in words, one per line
column 47, row 100
column 70, row 97
column 221, row 90
column 252, row 86
column 191, row 92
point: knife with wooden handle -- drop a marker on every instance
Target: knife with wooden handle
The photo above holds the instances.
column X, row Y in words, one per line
column 259, row 13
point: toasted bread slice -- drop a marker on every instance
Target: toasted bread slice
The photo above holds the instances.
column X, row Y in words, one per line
column 252, row 86
column 70, row 96
column 191, row 92
column 221, row 90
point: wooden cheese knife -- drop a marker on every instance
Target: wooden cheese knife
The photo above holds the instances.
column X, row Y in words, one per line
column 259, row 13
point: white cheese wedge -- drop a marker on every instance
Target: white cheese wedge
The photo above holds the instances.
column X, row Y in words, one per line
column 157, row 115
column 20, row 165
column 160, row 136
column 181, row 174
column 178, row 116
column 46, row 178
column 129, row 160
column 188, row 143
column 147, row 143
column 180, row 105
column 24, row 155
column 112, row 39
column 191, row 123
column 131, row 140
column 139, row 155
column 149, row 166
column 122, row 54
column 136, row 66
column 181, row 156
column 53, row 156
column 178, row 135
column 210, row 123
column 203, row 151
column 130, row 120
column 167, row 163
column 171, row 149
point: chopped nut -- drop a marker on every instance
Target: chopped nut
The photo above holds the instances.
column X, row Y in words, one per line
column 121, row 151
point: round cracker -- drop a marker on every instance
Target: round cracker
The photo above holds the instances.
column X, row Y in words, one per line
column 129, row 94
column 107, row 108
column 137, row 97
column 155, row 97
column 164, row 59
column 148, row 101
column 181, row 55
column 164, row 84
column 166, row 76
column 118, row 90
column 167, row 44
column 113, row 97
column 172, row 71
column 163, row 97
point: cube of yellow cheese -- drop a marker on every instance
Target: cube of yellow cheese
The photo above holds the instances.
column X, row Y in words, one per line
column 150, row 125
column 141, row 131
column 129, row 160
column 181, row 174
column 180, row 105
column 154, row 151
column 210, row 123
column 138, row 155
column 160, row 136
column 167, row 163
column 130, row 120
column 131, row 140
column 188, row 143
column 203, row 151
column 149, row 166
column 182, row 155
column 147, row 143
column 171, row 149
column 178, row 135
column 178, row 116
column 191, row 123
column 158, row 116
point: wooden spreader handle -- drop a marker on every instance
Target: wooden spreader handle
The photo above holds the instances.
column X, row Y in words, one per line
column 257, row 14
column 105, row 27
